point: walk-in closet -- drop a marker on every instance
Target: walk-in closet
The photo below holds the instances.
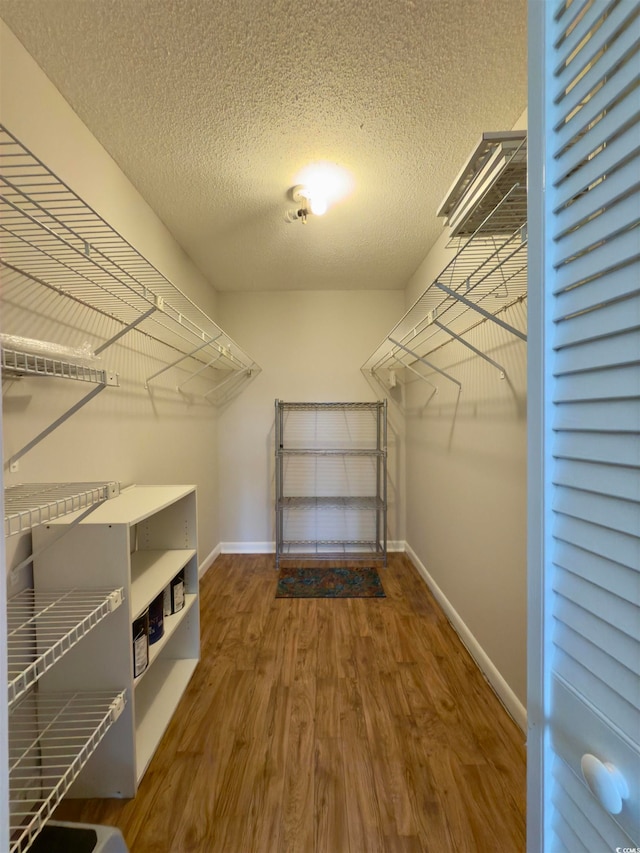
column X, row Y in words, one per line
column 319, row 348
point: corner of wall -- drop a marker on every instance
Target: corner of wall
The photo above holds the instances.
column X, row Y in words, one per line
column 505, row 694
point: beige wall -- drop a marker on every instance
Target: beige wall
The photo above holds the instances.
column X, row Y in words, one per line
column 466, row 486
column 126, row 433
column 311, row 347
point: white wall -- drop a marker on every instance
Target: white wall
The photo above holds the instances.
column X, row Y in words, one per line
column 126, row 433
column 466, row 489
column 311, row 347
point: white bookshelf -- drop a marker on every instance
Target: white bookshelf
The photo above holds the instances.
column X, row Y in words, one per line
column 138, row 541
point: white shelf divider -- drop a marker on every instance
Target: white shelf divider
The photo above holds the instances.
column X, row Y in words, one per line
column 151, row 572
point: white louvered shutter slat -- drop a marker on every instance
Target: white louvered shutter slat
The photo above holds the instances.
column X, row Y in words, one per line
column 601, row 574
column 614, row 416
column 590, row 235
column 581, row 618
column 611, row 319
column 613, row 449
column 604, row 101
column 565, row 45
column 572, row 184
column 603, row 663
column 615, row 481
column 604, row 384
column 592, row 404
column 621, row 182
column 610, row 544
column 608, row 352
column 623, row 249
column 618, row 19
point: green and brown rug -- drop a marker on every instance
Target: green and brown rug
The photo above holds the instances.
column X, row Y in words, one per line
column 327, row 582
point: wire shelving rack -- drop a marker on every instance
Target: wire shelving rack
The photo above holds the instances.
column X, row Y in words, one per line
column 43, row 626
column 51, row 738
column 488, row 271
column 28, row 504
column 331, row 481
column 51, row 236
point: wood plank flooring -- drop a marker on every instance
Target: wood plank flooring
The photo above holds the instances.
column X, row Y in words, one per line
column 327, row 726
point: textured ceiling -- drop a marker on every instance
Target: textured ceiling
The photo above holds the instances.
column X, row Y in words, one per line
column 211, row 107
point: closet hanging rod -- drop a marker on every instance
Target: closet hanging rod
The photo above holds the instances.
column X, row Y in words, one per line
column 417, row 373
column 199, row 371
column 424, row 361
column 178, row 360
column 485, row 313
column 217, row 387
column 470, row 346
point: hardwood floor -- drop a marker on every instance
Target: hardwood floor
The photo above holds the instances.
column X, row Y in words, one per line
column 327, row 726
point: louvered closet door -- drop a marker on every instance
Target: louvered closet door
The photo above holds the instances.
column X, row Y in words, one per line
column 587, row 269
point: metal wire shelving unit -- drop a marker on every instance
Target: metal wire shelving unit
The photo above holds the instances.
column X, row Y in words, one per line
column 486, row 210
column 51, row 738
column 331, row 481
column 51, row 236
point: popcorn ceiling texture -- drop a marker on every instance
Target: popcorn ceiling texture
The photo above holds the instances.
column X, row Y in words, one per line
column 211, row 107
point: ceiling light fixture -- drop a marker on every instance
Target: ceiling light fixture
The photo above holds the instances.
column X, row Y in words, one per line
column 306, row 204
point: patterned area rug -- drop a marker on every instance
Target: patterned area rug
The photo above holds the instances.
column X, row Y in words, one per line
column 329, row 583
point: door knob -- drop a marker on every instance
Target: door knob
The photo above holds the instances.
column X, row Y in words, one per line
column 606, row 783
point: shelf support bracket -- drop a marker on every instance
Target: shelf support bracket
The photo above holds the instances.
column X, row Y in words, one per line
column 178, row 360
column 424, row 361
column 224, row 382
column 129, row 327
column 417, row 373
column 198, row 372
column 483, row 355
column 487, row 314
column 58, row 422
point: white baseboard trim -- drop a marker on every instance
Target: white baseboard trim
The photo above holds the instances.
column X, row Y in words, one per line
column 248, row 547
column 205, row 565
column 506, row 695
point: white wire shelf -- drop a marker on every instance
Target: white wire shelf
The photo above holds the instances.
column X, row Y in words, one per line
column 487, row 276
column 374, row 406
column 497, row 166
column 28, row 505
column 331, row 502
column 17, row 363
column 333, row 451
column 53, row 237
column 42, row 626
column 330, row 549
column 51, row 738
